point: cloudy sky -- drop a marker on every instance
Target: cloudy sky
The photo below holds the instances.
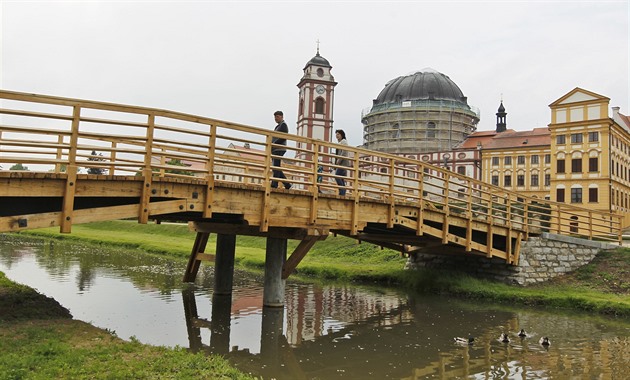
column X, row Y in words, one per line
column 241, row 60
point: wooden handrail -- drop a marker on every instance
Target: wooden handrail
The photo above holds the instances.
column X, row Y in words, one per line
column 137, row 146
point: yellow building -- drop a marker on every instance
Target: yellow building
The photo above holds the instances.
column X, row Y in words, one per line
column 590, row 164
column 581, row 158
column 518, row 161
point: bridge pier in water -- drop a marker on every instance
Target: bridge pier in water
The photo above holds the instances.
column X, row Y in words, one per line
column 275, row 264
column 275, row 257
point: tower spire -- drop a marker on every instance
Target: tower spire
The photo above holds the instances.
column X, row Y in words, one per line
column 501, row 117
column 318, row 46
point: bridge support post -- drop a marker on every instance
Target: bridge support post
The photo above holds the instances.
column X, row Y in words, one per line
column 224, row 264
column 275, row 258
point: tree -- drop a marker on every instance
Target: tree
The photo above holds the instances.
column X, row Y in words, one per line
column 96, row 157
column 19, row 167
column 176, row 162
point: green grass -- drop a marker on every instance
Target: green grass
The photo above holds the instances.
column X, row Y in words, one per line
column 40, row 340
column 68, row 349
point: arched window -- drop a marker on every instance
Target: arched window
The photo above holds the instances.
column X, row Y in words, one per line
column 431, row 130
column 319, row 105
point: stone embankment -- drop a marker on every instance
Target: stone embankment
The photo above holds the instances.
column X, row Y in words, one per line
column 541, row 258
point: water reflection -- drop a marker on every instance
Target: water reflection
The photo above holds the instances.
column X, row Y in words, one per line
column 323, row 332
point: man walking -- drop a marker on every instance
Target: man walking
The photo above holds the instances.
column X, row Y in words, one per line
column 279, row 150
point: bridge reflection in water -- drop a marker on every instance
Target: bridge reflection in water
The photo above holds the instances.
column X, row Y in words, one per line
column 387, row 336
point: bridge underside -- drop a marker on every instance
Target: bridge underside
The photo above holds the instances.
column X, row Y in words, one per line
column 42, row 200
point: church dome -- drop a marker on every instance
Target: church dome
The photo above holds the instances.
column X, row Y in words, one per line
column 427, row 84
column 318, row 60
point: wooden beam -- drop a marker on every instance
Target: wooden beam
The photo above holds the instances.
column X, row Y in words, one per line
column 274, row 232
column 298, row 254
column 199, row 246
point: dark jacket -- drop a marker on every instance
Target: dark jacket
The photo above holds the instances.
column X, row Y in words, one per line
column 282, row 127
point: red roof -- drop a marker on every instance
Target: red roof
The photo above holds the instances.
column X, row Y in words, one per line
column 520, row 139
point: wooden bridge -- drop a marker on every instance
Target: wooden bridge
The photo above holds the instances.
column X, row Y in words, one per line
column 163, row 165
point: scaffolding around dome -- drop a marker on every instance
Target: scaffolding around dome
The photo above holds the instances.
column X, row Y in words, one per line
column 422, row 112
column 416, row 126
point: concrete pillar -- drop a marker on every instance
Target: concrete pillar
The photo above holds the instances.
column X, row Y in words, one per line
column 274, row 284
column 224, row 264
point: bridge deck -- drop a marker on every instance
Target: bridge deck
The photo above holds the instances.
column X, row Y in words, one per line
column 160, row 164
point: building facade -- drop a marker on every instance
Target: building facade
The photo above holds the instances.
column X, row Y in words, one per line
column 590, row 164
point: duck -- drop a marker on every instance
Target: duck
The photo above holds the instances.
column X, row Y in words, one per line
column 522, row 334
column 504, row 338
column 545, row 341
column 459, row 340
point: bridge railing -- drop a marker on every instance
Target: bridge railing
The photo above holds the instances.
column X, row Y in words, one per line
column 61, row 135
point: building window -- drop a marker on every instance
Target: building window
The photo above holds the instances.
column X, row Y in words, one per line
column 507, row 160
column 431, row 130
column 534, row 180
column 576, row 195
column 592, row 195
column 461, row 170
column 534, row 159
column 520, row 180
column 593, row 136
column 520, row 160
column 547, row 179
column 495, row 180
column 319, row 106
column 576, row 138
column 593, row 164
column 495, row 161
column 576, row 165
column 507, row 181
column 559, row 195
column 560, row 165
column 561, row 139
column 547, row 158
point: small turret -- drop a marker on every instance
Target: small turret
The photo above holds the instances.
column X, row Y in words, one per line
column 501, row 123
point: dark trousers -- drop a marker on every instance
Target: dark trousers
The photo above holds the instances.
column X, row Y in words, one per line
column 341, row 181
column 276, row 172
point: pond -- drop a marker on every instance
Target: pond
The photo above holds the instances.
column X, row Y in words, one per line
column 334, row 331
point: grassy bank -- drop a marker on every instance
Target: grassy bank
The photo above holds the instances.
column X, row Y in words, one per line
column 40, row 340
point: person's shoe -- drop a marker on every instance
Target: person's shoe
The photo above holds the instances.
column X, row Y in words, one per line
column 287, row 186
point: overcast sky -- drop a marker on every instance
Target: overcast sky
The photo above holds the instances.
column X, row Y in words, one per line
column 240, row 61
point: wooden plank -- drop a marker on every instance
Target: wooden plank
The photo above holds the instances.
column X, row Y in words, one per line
column 420, row 216
column 298, row 254
column 147, row 173
column 264, row 215
column 355, row 189
column 391, row 212
column 199, row 246
column 71, row 170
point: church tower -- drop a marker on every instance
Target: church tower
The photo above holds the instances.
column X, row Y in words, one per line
column 316, row 99
column 501, row 115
